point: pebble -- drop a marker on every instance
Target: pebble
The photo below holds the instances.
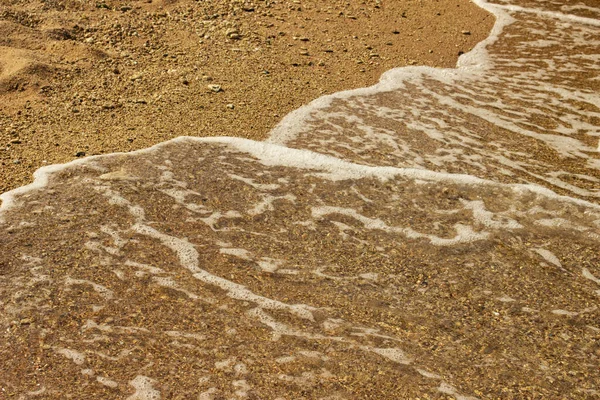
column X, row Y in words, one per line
column 215, row 88
column 80, row 154
column 232, row 33
column 466, row 32
column 230, row 106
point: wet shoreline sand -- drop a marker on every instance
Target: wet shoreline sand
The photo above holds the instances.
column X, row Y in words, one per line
column 79, row 80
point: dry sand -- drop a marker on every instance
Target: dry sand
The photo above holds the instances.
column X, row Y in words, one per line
column 80, row 78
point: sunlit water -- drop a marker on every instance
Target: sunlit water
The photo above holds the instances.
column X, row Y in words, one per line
column 436, row 235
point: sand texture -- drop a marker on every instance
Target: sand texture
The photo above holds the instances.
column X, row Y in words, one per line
column 80, row 78
column 434, row 236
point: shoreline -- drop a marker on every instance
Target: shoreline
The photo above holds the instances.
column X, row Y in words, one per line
column 69, row 114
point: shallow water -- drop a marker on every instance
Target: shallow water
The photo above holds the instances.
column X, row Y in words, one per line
column 436, row 235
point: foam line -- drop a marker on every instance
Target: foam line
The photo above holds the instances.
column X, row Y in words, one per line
column 551, row 14
column 472, row 62
column 270, row 154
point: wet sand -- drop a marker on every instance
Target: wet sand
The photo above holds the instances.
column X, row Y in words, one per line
column 79, row 79
column 357, row 253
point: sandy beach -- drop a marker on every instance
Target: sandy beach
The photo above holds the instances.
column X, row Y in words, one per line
column 85, row 78
column 433, row 236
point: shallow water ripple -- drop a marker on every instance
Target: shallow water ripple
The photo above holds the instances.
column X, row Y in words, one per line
column 437, row 235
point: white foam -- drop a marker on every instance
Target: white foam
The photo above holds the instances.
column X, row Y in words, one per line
column 207, row 394
column 552, row 14
column 186, row 335
column 239, row 253
column 393, row 354
column 259, row 186
column 565, row 313
column 266, row 204
column 464, row 234
column 506, row 299
column 588, row 275
column 188, row 258
column 449, row 389
column 144, row 389
column 428, row 374
column 102, row 290
column 285, row 359
column 148, row 268
column 107, row 382
column 269, row 264
column 486, row 218
column 74, row 355
column 548, row 256
column 225, row 364
column 168, row 282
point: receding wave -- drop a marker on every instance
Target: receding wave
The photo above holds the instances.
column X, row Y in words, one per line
column 435, row 235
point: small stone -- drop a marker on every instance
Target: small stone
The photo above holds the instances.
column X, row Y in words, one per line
column 17, row 162
column 207, row 78
column 215, row 88
column 232, row 33
column 125, row 8
column 80, row 154
column 26, row 321
column 230, row 106
column 303, row 52
column 304, row 39
column 15, row 141
column 465, row 32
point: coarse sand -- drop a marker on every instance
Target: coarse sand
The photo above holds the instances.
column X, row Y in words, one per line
column 80, row 78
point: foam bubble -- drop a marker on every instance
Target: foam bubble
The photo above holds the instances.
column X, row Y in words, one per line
column 144, row 389
column 74, row 355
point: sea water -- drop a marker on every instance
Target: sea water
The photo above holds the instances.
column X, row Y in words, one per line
column 437, row 234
